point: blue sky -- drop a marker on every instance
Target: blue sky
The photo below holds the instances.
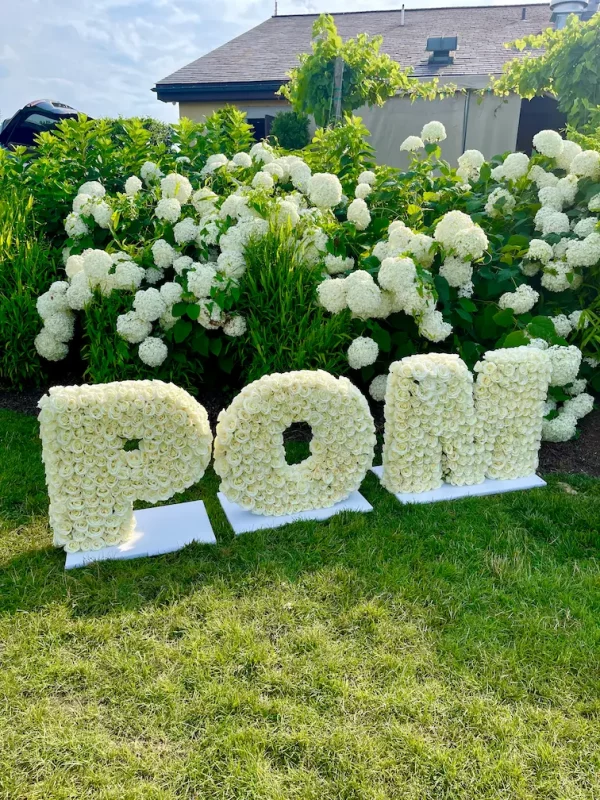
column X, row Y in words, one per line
column 104, row 56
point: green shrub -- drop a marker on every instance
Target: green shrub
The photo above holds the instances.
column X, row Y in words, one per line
column 290, row 130
column 27, row 268
column 287, row 329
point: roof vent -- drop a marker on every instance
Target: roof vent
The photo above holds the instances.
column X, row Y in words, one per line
column 440, row 47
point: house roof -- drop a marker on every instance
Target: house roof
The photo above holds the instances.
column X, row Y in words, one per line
column 265, row 54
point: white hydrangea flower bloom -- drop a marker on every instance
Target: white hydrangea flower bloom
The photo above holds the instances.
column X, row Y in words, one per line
column 149, row 304
column 262, row 180
column 551, row 197
column 235, row 326
column 565, row 363
column 153, row 351
column 49, row 347
column 568, row 188
column 515, row 166
column 128, row 275
column 300, row 174
column 433, row 132
column 456, row 271
column 567, row 154
column 332, row 295
column 82, row 204
column 449, row 225
column 287, row 212
column 185, row 231
column 154, row 275
column 133, row 185
column 363, row 296
column 586, row 164
column 555, row 222
column 102, row 214
column 541, row 178
column 585, row 252
column 164, row 255
column 74, row 265
column 213, row 163
column 204, row 201
column 92, row 188
column 507, row 206
column 61, row 325
column 539, row 250
column 358, row 213
column 433, row 327
column 324, row 190
column 79, row 294
column 150, row 172
column 368, row 177
column 168, row 209
column 231, row 263
column 336, row 264
column 132, row 328
column 471, row 243
column 201, row 279
column 171, row 293
column 182, row 263
column 242, row 160
column 556, row 276
column 521, row 301
column 411, row 144
column 75, row 226
column 362, row 352
column 378, row 387
column 548, row 143
column 562, row 325
column 362, row 190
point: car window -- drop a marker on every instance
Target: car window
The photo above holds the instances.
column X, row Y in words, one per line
column 29, row 128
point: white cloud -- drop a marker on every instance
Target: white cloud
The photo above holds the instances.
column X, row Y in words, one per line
column 104, row 56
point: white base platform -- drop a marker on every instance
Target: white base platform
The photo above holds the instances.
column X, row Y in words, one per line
column 448, row 492
column 245, row 521
column 159, row 530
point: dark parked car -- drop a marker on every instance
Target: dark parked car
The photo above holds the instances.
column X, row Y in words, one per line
column 34, row 118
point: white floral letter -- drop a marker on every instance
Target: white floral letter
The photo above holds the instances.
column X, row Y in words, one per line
column 250, row 455
column 92, row 479
column 437, row 429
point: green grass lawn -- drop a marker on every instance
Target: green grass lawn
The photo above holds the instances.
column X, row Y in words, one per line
column 430, row 652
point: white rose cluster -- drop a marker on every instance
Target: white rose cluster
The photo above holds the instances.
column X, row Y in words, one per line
column 429, row 411
column 249, row 452
column 438, row 428
column 92, row 479
column 510, row 393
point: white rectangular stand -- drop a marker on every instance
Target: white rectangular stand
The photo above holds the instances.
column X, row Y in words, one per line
column 448, row 492
column 245, row 521
column 159, row 530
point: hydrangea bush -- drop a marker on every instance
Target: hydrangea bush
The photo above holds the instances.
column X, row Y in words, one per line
column 481, row 256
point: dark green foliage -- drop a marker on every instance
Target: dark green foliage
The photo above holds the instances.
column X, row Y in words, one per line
column 27, row 267
column 290, row 130
column 287, row 329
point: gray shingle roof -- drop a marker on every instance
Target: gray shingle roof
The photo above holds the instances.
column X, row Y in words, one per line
column 269, row 51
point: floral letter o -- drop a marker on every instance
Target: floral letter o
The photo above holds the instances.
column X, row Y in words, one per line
column 92, row 480
column 249, row 452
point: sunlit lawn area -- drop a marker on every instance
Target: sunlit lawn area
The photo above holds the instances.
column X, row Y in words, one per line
column 441, row 651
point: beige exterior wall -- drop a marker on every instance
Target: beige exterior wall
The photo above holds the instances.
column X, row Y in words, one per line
column 253, row 108
column 485, row 123
column 491, row 125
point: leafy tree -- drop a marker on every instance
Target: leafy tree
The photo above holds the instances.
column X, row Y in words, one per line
column 568, row 68
column 290, row 129
column 369, row 77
